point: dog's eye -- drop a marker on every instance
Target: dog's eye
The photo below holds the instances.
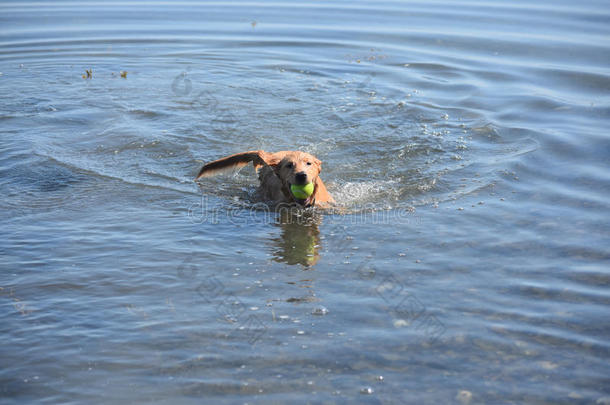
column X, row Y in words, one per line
column 289, row 165
column 308, row 163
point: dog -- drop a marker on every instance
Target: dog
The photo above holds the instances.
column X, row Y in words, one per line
column 276, row 173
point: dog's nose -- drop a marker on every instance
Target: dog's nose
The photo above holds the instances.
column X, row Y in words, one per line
column 301, row 177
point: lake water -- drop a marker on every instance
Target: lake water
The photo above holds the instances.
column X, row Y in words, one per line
column 467, row 144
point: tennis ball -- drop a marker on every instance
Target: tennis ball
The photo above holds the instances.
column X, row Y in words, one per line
column 301, row 192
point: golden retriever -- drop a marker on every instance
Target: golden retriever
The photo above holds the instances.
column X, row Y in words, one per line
column 276, row 173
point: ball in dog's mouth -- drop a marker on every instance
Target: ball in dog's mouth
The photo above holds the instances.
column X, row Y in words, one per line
column 301, row 191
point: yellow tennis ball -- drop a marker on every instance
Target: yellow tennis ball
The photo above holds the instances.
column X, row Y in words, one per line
column 302, row 192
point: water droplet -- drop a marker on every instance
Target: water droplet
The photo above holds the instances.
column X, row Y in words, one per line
column 400, row 323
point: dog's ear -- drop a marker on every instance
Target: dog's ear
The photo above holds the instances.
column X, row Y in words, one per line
column 321, row 194
column 257, row 157
column 318, row 163
column 274, row 159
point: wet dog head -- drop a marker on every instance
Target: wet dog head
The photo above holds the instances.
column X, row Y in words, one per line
column 299, row 168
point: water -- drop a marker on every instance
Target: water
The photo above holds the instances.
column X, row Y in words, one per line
column 466, row 142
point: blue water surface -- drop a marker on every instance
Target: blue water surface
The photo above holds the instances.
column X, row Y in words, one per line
column 466, row 143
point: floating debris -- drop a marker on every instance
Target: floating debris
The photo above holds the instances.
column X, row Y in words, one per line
column 367, row 391
column 301, row 299
column 123, row 74
column 464, row 397
column 319, row 310
column 88, row 74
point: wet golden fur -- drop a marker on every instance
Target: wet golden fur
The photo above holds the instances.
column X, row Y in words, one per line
column 276, row 172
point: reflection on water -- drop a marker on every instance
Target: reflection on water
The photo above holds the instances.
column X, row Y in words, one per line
column 299, row 240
